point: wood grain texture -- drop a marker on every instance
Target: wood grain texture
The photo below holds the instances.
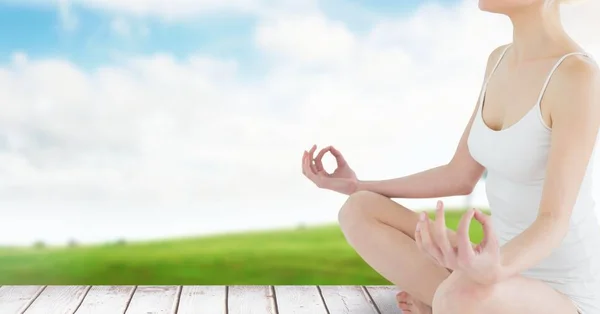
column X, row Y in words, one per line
column 154, row 300
column 15, row 299
column 385, row 299
column 198, row 300
column 251, row 300
column 106, row 299
column 203, row 300
column 299, row 300
column 58, row 300
column 347, row 300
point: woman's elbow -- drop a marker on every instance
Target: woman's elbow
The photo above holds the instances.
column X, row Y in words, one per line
column 466, row 180
column 466, row 188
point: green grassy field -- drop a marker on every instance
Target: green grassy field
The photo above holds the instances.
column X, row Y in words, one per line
column 308, row 256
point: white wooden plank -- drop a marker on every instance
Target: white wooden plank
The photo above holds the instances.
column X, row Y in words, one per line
column 202, row 300
column 15, row 299
column 299, row 300
column 58, row 300
column 106, row 299
column 154, row 300
column 385, row 298
column 347, row 300
column 250, row 300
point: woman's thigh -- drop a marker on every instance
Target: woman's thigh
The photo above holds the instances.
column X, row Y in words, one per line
column 386, row 211
column 517, row 295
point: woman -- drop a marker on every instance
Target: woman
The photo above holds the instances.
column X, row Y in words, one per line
column 534, row 129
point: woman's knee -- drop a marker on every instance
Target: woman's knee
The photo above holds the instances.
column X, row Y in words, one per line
column 356, row 209
column 460, row 295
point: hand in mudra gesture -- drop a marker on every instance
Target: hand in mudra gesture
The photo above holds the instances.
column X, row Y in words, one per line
column 481, row 262
column 342, row 179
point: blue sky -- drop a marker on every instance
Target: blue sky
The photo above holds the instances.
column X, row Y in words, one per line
column 40, row 31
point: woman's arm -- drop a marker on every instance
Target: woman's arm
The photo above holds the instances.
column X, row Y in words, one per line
column 458, row 177
column 441, row 181
column 575, row 113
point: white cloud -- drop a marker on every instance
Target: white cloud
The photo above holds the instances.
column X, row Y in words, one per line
column 169, row 9
column 129, row 29
column 121, row 27
column 68, row 20
column 307, row 39
column 184, row 9
column 172, row 10
column 154, row 129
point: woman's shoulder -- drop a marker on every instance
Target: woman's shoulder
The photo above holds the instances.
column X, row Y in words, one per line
column 577, row 69
column 498, row 51
column 495, row 56
column 576, row 82
column 578, row 65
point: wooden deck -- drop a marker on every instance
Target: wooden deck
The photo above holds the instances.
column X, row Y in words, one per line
column 197, row 300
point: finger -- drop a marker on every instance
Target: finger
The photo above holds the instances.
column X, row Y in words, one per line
column 307, row 170
column 418, row 238
column 419, row 241
column 486, row 223
column 311, row 154
column 427, row 240
column 319, row 158
column 441, row 236
column 305, row 166
column 313, row 167
column 465, row 249
column 339, row 158
column 310, row 172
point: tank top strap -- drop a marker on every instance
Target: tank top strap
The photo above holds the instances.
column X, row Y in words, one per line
column 487, row 80
column 497, row 63
column 554, row 68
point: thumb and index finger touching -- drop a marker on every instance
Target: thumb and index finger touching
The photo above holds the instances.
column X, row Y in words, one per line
column 465, row 247
column 312, row 167
column 485, row 221
column 318, row 160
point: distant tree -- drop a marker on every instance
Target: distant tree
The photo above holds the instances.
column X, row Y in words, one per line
column 301, row 226
column 39, row 244
column 121, row 242
column 72, row 243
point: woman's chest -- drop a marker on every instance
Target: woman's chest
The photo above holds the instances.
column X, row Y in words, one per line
column 519, row 153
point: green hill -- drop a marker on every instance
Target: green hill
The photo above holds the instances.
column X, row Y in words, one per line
column 310, row 256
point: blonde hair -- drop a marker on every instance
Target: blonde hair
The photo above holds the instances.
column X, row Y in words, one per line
column 565, row 1
column 548, row 3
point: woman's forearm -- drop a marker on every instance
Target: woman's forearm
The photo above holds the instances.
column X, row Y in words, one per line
column 534, row 244
column 441, row 181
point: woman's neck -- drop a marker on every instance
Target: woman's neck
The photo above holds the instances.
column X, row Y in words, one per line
column 537, row 33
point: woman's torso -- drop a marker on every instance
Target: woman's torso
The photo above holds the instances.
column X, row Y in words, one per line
column 515, row 157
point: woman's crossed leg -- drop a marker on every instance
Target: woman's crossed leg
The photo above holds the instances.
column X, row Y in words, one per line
column 382, row 233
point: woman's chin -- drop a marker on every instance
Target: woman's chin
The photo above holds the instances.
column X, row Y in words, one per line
column 483, row 6
column 490, row 6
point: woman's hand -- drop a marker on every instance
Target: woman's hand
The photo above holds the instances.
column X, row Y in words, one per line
column 342, row 180
column 480, row 262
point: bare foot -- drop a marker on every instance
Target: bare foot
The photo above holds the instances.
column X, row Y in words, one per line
column 409, row 305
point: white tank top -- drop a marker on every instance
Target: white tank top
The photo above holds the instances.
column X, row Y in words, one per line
column 515, row 159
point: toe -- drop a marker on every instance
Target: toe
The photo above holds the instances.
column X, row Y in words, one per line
column 402, row 297
column 405, row 307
